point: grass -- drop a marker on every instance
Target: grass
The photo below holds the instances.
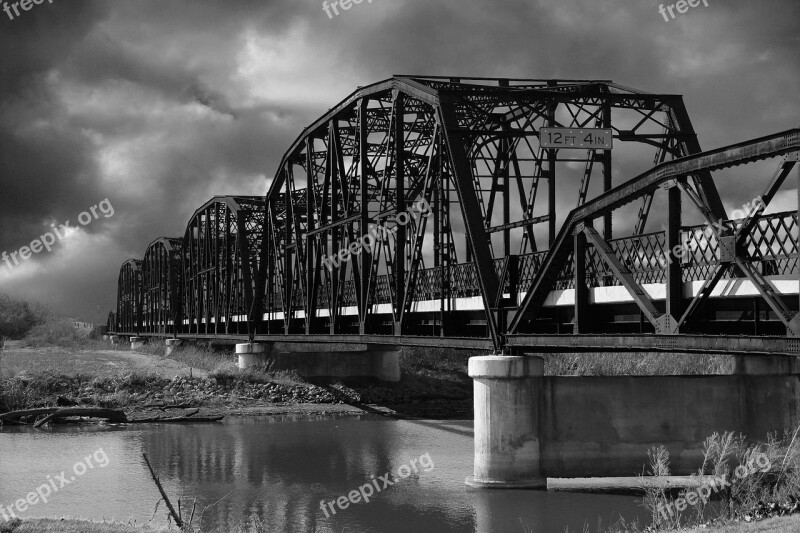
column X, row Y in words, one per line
column 760, row 474
column 220, row 364
column 433, row 361
column 72, row 526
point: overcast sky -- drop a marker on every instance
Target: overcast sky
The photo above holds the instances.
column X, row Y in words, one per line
column 159, row 105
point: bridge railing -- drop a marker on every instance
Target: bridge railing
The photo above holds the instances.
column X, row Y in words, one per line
column 772, row 245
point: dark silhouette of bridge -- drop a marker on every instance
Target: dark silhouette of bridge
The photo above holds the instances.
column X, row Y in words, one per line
column 518, row 248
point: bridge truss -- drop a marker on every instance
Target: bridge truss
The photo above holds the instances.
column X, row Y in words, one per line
column 426, row 208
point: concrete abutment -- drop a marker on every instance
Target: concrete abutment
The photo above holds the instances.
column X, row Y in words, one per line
column 374, row 362
column 530, row 427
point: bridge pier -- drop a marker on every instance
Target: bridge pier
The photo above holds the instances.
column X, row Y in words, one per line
column 253, row 354
column 375, row 362
column 508, row 393
column 765, row 364
column 171, row 344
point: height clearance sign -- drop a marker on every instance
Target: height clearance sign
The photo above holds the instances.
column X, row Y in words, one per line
column 576, row 138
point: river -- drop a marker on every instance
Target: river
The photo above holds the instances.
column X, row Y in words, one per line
column 278, row 470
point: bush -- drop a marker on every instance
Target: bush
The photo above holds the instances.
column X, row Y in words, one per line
column 17, row 318
column 55, row 331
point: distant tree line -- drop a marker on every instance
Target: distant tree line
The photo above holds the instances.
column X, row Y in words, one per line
column 17, row 318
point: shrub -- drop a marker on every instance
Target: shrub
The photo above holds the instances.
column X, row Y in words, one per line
column 17, row 317
column 55, row 331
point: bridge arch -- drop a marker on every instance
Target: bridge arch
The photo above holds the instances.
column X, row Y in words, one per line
column 470, row 149
column 221, row 252
column 161, row 286
column 129, row 297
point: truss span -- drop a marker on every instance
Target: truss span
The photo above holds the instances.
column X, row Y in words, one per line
column 514, row 239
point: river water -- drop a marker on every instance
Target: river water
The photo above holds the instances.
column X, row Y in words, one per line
column 278, row 469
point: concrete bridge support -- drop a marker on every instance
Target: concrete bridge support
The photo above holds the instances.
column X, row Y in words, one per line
column 508, row 392
column 529, row 427
column 171, row 344
column 374, row 362
column 765, row 364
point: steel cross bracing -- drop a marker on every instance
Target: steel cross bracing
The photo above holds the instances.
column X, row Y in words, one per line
column 161, row 286
column 490, row 256
column 221, row 258
column 129, row 297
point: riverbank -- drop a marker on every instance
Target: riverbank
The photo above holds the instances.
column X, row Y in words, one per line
column 144, row 383
column 786, row 524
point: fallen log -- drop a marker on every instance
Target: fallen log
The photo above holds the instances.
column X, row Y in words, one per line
column 175, row 419
column 164, row 407
column 113, row 415
column 16, row 415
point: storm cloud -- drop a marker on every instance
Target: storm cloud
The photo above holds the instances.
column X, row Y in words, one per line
column 160, row 105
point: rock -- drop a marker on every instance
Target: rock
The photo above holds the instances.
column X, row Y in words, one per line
column 63, row 401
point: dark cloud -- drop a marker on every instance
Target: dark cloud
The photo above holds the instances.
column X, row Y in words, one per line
column 160, row 105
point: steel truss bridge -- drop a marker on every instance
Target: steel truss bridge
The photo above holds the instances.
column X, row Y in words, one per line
column 519, row 247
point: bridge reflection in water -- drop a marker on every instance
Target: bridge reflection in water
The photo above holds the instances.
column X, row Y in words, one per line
column 277, row 470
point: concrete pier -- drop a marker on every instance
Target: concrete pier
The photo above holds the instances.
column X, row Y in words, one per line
column 252, row 354
column 137, row 342
column 765, row 364
column 374, row 362
column 508, row 392
column 171, row 344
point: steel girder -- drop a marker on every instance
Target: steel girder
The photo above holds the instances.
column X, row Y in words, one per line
column 221, row 257
column 469, row 149
column 161, row 286
column 129, row 297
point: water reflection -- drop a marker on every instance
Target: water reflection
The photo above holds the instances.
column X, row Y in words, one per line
column 278, row 469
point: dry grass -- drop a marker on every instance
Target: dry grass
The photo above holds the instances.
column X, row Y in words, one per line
column 426, row 361
column 75, row 526
column 636, row 364
column 770, row 472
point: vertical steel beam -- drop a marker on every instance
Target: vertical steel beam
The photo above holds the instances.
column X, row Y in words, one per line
column 364, row 260
column 551, row 180
column 335, row 239
column 581, row 320
column 673, row 239
column 400, row 202
column 288, row 261
column 607, row 235
column 311, row 284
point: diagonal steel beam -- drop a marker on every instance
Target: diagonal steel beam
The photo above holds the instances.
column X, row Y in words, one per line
column 762, row 148
column 471, row 211
column 659, row 320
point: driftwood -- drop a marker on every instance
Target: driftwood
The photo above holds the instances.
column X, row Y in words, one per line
column 25, row 413
column 189, row 417
column 175, row 516
column 164, row 406
column 113, row 415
